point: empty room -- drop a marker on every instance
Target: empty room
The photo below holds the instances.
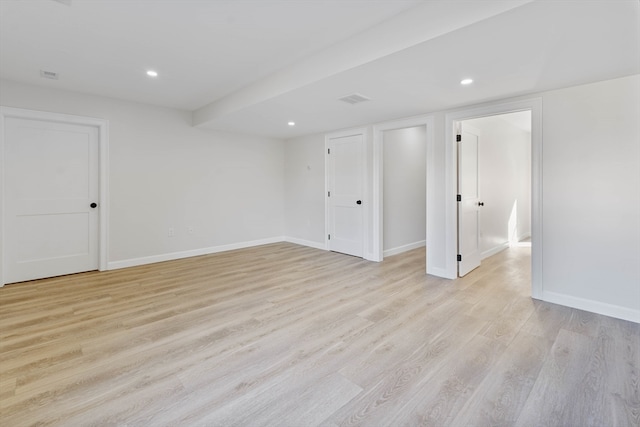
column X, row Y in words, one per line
column 319, row 213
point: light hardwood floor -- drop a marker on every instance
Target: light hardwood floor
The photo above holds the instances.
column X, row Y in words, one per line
column 283, row 335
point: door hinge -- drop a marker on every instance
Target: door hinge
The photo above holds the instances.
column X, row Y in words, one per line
column 329, row 236
column 458, row 138
column 328, row 150
column 459, row 198
column 459, row 257
column 328, row 193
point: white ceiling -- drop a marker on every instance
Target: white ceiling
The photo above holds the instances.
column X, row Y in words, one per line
column 251, row 66
column 203, row 49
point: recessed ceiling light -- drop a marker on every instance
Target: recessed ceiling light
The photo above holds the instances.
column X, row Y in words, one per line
column 466, row 81
column 152, row 73
column 291, row 123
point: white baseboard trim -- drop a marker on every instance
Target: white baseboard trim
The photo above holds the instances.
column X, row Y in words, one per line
column 404, row 248
column 521, row 244
column 610, row 310
column 495, row 250
column 304, row 242
column 524, row 236
column 114, row 265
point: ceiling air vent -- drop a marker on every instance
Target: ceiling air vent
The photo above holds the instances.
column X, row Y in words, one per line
column 49, row 74
column 354, row 98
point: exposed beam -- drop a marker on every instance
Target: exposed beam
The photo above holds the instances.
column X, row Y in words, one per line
column 414, row 26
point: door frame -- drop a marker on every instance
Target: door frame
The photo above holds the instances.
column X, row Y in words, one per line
column 365, row 186
column 103, row 165
column 451, row 170
column 378, row 178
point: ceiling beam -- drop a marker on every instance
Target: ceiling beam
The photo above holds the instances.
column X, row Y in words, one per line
column 412, row 27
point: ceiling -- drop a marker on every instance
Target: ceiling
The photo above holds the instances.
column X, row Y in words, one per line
column 251, row 66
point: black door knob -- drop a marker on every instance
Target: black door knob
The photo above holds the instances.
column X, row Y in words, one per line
column 359, row 202
column 93, row 205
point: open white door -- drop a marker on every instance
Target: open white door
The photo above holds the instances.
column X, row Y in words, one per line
column 468, row 201
column 345, row 160
column 51, row 199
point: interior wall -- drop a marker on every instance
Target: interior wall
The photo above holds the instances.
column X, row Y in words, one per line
column 230, row 188
column 311, row 149
column 165, row 173
column 504, row 177
column 404, row 189
column 304, row 190
column 523, row 159
column 591, row 205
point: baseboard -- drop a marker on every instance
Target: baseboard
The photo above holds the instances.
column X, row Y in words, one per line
column 495, row 250
column 405, row 248
column 610, row 310
column 114, row 265
column 521, row 244
column 524, row 236
column 303, row 242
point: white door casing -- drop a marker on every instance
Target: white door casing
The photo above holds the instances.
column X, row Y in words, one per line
column 469, row 205
column 345, row 190
column 451, row 166
column 53, row 169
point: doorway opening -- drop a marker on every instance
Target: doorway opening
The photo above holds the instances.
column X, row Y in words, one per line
column 393, row 141
column 534, row 106
column 494, row 186
column 404, row 189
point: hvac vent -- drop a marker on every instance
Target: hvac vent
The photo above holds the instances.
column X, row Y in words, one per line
column 49, row 74
column 354, row 98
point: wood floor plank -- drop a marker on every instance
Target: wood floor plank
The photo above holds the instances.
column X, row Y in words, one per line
column 439, row 400
column 559, row 383
column 502, row 394
column 286, row 335
column 623, row 382
column 388, row 381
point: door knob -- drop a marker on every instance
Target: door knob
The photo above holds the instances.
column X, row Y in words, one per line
column 93, row 205
column 359, row 202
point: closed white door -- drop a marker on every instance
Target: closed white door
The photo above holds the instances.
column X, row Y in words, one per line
column 51, row 185
column 345, row 184
column 469, row 201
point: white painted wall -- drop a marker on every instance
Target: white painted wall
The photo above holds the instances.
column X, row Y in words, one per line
column 304, row 190
column 504, row 161
column 523, row 159
column 165, row 173
column 231, row 187
column 591, row 202
column 591, row 205
column 404, row 189
column 439, row 218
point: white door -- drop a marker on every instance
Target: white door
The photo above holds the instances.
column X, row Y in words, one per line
column 345, row 176
column 469, row 201
column 51, row 186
